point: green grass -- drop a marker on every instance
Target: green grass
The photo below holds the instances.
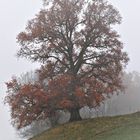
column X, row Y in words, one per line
column 125, row 127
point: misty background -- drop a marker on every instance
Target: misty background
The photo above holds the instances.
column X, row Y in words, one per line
column 13, row 19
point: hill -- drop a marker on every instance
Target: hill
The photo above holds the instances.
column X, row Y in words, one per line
column 126, row 127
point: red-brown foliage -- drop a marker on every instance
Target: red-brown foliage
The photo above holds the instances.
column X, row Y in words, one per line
column 82, row 59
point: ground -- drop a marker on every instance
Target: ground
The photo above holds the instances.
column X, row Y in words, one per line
column 126, row 127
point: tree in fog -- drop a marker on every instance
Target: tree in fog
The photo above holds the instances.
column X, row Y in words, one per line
column 81, row 56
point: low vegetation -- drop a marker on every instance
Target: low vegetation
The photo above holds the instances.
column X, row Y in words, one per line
column 125, row 127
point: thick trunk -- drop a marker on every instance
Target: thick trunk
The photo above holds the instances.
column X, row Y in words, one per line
column 75, row 115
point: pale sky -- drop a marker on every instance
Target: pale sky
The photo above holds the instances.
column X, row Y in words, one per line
column 13, row 18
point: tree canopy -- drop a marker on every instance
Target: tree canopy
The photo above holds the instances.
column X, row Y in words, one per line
column 81, row 55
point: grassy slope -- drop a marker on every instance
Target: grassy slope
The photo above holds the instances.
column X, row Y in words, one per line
column 125, row 127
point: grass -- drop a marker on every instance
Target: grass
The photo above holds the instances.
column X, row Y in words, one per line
column 126, row 127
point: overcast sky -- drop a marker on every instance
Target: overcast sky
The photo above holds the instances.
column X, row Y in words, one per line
column 14, row 15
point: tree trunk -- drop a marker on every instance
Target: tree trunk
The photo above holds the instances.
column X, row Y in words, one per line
column 75, row 115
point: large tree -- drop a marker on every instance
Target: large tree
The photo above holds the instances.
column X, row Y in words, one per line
column 82, row 60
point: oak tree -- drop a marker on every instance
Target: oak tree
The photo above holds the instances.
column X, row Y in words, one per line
column 81, row 55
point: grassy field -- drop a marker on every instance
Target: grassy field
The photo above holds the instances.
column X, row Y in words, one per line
column 125, row 127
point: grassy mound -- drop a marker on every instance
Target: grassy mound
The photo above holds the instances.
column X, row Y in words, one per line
column 125, row 127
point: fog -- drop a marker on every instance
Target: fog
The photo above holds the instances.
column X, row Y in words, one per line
column 13, row 19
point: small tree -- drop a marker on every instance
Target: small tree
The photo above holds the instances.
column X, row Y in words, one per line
column 82, row 60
